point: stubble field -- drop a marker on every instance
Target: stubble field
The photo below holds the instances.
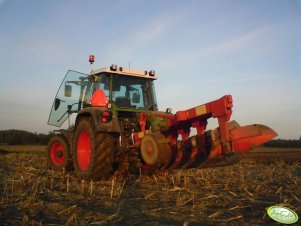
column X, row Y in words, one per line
column 31, row 194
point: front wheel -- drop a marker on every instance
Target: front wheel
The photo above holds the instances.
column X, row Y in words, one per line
column 93, row 152
column 58, row 153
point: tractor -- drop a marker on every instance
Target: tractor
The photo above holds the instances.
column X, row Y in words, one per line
column 118, row 127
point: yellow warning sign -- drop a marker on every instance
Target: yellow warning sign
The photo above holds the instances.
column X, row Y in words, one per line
column 200, row 110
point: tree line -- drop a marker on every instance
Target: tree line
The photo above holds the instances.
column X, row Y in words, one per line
column 21, row 137
column 284, row 143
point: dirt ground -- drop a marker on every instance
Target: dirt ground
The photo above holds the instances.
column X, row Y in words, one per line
column 31, row 194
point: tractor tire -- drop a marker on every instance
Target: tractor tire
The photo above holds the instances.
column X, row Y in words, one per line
column 93, row 152
column 59, row 154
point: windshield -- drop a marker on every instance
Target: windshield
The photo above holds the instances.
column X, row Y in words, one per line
column 133, row 92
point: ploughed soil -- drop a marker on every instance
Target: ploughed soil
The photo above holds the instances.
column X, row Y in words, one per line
column 239, row 194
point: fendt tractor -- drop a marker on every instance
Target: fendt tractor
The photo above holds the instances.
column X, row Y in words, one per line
column 118, row 127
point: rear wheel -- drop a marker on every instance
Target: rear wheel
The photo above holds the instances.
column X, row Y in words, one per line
column 93, row 152
column 58, row 153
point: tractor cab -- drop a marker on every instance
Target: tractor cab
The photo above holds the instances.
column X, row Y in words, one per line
column 123, row 90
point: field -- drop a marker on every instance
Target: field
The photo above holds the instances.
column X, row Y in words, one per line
column 31, row 194
column 27, row 149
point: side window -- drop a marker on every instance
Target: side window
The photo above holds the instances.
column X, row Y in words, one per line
column 104, row 84
column 120, row 93
column 136, row 95
column 67, row 99
column 121, row 96
column 131, row 92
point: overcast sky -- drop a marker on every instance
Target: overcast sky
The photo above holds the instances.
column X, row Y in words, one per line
column 201, row 50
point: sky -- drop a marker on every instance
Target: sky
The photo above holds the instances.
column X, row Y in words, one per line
column 200, row 50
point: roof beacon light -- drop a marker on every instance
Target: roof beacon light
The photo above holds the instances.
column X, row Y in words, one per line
column 152, row 73
column 113, row 67
column 91, row 59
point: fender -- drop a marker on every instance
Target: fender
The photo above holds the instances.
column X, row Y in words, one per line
column 68, row 135
column 95, row 113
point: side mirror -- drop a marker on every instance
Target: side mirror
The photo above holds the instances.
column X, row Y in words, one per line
column 68, row 90
column 136, row 98
column 57, row 103
column 168, row 110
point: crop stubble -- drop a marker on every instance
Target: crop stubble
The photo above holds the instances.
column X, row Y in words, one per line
column 31, row 194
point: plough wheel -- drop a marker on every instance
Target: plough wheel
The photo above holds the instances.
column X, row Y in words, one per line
column 155, row 150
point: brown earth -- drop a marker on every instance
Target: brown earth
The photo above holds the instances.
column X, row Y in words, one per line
column 31, row 194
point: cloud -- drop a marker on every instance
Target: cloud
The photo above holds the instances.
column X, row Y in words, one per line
column 251, row 40
column 152, row 31
column 252, row 44
column 241, row 78
column 144, row 35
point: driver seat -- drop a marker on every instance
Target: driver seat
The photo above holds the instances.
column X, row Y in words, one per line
column 123, row 102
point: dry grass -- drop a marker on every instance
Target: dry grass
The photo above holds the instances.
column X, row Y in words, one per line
column 30, row 149
column 275, row 149
column 31, row 194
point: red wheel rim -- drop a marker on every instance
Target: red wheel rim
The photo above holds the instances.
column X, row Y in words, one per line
column 57, row 154
column 84, row 150
column 149, row 149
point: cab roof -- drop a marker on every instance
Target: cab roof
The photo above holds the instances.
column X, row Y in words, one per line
column 126, row 71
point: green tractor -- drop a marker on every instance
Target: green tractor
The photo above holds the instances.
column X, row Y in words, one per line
column 118, row 127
